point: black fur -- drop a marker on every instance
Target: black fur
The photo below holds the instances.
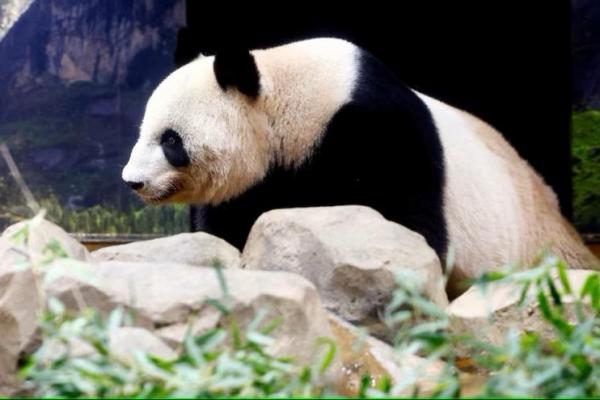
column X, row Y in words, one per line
column 381, row 150
column 236, row 68
column 172, row 147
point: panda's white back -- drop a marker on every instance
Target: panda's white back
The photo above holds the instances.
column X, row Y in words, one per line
column 498, row 209
column 481, row 207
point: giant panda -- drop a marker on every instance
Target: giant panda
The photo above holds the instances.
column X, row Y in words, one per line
column 322, row 122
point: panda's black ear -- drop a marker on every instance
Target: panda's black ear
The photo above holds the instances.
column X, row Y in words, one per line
column 235, row 67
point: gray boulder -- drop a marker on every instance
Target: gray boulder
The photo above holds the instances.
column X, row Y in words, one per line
column 21, row 289
column 351, row 253
column 197, row 248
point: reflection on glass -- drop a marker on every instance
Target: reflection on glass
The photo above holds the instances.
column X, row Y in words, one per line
column 74, row 77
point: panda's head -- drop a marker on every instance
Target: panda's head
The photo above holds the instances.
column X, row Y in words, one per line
column 202, row 139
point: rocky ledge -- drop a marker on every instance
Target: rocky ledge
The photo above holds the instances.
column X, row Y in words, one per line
column 325, row 271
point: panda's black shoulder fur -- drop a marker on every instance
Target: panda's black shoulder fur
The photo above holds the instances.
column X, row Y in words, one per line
column 380, row 150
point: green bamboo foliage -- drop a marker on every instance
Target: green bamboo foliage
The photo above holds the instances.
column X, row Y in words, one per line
column 586, row 169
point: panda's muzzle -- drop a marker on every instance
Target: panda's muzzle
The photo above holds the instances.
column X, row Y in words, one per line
column 164, row 196
column 158, row 188
column 162, row 191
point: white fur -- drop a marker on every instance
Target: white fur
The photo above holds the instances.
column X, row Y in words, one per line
column 481, row 205
column 497, row 208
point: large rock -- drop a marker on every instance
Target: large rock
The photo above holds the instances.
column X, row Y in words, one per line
column 19, row 307
column 21, row 289
column 167, row 297
column 174, row 334
column 81, row 291
column 186, row 248
column 351, row 253
column 491, row 314
column 42, row 234
column 17, row 316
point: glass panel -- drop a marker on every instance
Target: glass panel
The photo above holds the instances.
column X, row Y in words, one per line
column 74, row 78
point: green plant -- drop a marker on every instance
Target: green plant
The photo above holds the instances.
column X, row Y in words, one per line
column 567, row 364
column 586, row 169
column 421, row 329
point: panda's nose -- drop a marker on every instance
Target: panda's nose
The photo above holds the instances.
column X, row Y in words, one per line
column 135, row 185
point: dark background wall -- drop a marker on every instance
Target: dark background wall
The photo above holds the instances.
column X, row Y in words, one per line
column 586, row 54
column 507, row 62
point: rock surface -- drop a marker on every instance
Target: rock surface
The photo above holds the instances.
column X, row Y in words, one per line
column 19, row 288
column 364, row 355
column 351, row 254
column 174, row 334
column 168, row 296
column 489, row 316
column 19, row 301
column 18, row 316
column 125, row 341
column 43, row 234
column 197, row 248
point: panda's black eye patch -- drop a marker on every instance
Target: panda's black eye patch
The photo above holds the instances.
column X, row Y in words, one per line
column 172, row 146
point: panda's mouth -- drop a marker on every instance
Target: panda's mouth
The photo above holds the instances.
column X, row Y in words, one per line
column 163, row 196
